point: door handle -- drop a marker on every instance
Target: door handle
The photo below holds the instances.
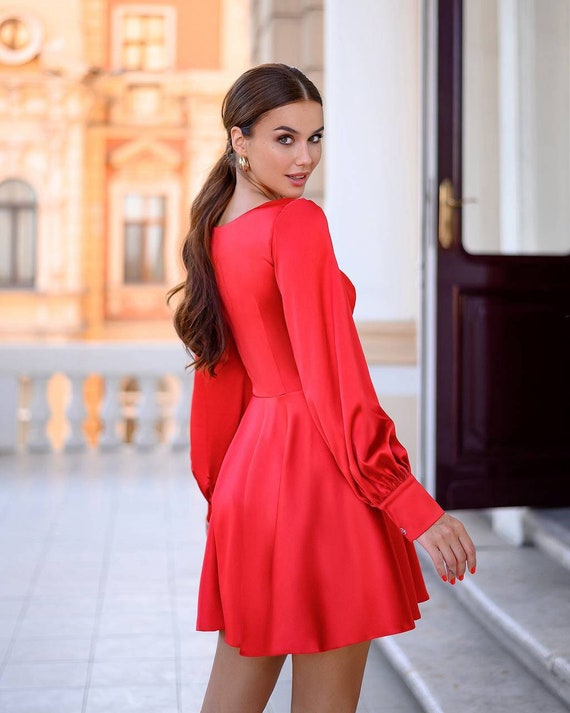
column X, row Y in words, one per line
column 447, row 204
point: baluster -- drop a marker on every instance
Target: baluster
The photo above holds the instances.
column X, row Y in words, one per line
column 182, row 438
column 110, row 415
column 147, row 412
column 9, row 388
column 76, row 416
column 38, row 441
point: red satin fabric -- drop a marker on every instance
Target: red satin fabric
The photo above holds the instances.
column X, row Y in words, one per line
column 313, row 505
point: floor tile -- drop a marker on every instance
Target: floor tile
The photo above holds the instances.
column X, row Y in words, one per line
column 10, row 609
column 198, row 644
column 51, row 700
column 15, row 585
column 140, row 600
column 56, row 626
column 43, row 674
column 4, row 645
column 50, row 649
column 66, row 586
column 192, row 695
column 134, row 621
column 280, row 701
column 151, row 672
column 7, row 628
column 195, row 669
column 76, row 607
column 145, row 646
column 125, row 587
column 132, row 699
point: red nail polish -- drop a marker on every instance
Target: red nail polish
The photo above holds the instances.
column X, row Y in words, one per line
column 473, row 570
column 452, row 581
column 461, row 577
column 444, row 577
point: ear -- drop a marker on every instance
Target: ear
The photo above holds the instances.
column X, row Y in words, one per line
column 239, row 141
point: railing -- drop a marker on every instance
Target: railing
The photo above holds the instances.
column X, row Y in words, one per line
column 93, row 395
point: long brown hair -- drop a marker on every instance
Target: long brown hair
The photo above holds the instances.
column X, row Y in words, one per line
column 199, row 319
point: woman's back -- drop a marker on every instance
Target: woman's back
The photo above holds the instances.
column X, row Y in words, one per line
column 243, row 261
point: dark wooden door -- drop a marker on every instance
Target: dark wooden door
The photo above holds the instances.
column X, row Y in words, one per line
column 503, row 322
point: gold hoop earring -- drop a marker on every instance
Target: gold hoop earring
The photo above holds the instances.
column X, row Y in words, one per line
column 243, row 164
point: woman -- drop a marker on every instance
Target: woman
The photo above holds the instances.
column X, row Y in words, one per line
column 313, row 508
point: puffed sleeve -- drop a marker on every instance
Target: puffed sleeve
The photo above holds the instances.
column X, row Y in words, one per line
column 218, row 404
column 334, row 374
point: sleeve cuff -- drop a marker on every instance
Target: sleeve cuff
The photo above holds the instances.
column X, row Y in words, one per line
column 411, row 508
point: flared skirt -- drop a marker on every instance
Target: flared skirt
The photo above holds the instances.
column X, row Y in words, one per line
column 294, row 561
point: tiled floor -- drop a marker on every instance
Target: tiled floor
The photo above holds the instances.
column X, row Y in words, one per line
column 99, row 564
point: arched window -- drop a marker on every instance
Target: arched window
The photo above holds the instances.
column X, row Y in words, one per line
column 18, row 221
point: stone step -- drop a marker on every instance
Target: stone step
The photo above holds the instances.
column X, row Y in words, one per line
column 497, row 641
column 549, row 530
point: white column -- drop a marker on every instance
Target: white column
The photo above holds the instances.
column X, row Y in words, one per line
column 372, row 145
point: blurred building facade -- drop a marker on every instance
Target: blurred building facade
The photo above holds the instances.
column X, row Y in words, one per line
column 109, row 120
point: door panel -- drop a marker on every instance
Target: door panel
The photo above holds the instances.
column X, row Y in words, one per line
column 503, row 331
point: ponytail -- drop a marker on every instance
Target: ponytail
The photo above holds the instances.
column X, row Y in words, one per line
column 198, row 318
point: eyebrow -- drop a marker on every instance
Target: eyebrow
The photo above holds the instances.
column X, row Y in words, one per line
column 294, row 131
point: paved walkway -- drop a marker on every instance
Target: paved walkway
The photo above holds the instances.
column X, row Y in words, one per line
column 99, row 563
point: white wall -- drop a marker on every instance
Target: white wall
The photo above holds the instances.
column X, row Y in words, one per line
column 372, row 169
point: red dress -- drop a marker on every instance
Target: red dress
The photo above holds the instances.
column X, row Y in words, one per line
column 313, row 505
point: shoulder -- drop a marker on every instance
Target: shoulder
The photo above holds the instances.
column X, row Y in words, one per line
column 300, row 217
column 301, row 229
column 299, row 209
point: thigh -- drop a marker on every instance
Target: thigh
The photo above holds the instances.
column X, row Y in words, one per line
column 329, row 682
column 240, row 684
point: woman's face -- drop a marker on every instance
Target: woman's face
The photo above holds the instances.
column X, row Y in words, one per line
column 284, row 147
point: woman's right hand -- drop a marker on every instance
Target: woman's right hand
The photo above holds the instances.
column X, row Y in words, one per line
column 451, row 549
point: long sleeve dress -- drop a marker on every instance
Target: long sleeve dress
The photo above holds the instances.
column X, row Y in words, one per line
column 313, row 508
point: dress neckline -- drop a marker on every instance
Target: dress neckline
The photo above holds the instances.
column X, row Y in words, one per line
column 251, row 210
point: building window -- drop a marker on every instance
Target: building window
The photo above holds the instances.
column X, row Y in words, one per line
column 18, row 219
column 144, row 38
column 144, row 231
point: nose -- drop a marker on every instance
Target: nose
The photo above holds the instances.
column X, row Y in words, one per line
column 303, row 157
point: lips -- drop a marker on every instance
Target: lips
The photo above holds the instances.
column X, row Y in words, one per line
column 298, row 178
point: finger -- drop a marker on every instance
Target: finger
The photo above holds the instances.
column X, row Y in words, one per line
column 438, row 561
column 443, row 564
column 451, row 563
column 450, row 575
column 441, row 556
column 454, row 557
column 463, row 549
column 460, row 558
column 470, row 551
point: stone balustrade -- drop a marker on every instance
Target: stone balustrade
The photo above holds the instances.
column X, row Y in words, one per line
column 74, row 396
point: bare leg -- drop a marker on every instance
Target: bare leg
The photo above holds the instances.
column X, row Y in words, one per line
column 329, row 682
column 240, row 684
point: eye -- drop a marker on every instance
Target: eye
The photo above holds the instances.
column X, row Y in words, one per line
column 316, row 138
column 285, row 139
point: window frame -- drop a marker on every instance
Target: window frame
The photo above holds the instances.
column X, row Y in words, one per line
column 143, row 9
column 14, row 210
column 170, row 189
column 144, row 223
